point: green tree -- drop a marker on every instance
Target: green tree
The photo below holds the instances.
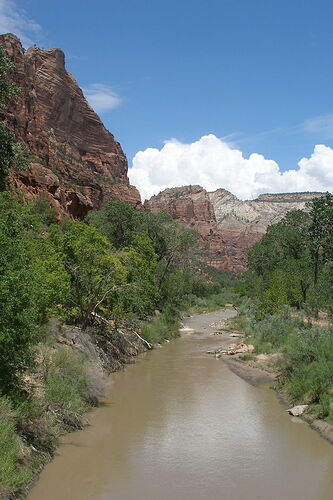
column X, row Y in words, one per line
column 173, row 244
column 32, row 281
column 321, row 232
column 283, row 259
column 95, row 271
column 141, row 295
column 118, row 221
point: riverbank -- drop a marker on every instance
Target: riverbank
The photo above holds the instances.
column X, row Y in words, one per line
column 256, row 373
column 68, row 378
column 212, row 325
column 173, row 425
column 266, row 367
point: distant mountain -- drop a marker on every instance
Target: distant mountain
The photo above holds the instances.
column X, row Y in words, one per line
column 228, row 227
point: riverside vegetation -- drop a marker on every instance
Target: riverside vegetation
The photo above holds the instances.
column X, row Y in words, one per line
column 289, row 290
column 120, row 270
column 76, row 298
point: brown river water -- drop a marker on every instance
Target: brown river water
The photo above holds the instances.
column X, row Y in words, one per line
column 179, row 425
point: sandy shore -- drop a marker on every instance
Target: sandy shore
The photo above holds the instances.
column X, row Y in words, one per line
column 251, row 374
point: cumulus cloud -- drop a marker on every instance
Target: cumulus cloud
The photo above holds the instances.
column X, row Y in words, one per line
column 101, row 97
column 213, row 163
column 15, row 20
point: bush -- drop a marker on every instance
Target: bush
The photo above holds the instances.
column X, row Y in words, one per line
column 65, row 400
column 161, row 328
column 308, row 368
column 307, row 363
column 13, row 469
column 39, row 427
column 66, row 387
column 211, row 302
column 273, row 331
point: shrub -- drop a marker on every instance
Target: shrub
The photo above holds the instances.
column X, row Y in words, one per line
column 13, row 469
column 308, row 368
column 39, row 427
column 211, row 302
column 64, row 399
column 66, row 387
column 272, row 332
column 161, row 328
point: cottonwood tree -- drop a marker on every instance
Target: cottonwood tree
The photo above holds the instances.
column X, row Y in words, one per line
column 95, row 270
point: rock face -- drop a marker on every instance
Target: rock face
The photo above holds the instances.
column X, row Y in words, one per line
column 228, row 227
column 192, row 206
column 78, row 163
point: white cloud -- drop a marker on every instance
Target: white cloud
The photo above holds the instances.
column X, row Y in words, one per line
column 213, row 163
column 101, row 97
column 15, row 20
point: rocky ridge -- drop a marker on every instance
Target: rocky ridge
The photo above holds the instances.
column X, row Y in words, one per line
column 78, row 165
column 227, row 226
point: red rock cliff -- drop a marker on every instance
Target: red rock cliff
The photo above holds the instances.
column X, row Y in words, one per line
column 78, row 163
column 228, row 227
column 192, row 206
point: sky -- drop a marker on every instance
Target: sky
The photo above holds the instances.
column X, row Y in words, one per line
column 224, row 93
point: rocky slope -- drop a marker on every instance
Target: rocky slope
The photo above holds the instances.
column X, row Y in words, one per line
column 78, row 163
column 228, row 227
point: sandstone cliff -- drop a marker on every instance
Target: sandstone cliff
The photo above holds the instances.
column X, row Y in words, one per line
column 78, row 163
column 228, row 227
column 191, row 205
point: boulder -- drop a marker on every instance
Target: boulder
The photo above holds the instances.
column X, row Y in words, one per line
column 297, row 410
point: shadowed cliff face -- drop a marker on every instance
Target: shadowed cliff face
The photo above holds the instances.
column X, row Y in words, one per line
column 228, row 227
column 79, row 165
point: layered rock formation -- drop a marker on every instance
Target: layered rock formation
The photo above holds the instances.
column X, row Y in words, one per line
column 78, row 163
column 191, row 205
column 228, row 227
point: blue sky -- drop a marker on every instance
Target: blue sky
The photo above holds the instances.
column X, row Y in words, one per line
column 257, row 73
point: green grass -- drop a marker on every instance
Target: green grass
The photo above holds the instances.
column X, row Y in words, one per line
column 65, row 399
column 30, row 434
column 162, row 327
column 307, row 373
column 211, row 302
column 14, row 455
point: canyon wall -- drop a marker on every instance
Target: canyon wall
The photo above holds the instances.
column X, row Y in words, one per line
column 77, row 163
column 227, row 226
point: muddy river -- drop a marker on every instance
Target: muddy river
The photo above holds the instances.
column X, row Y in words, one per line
column 179, row 425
